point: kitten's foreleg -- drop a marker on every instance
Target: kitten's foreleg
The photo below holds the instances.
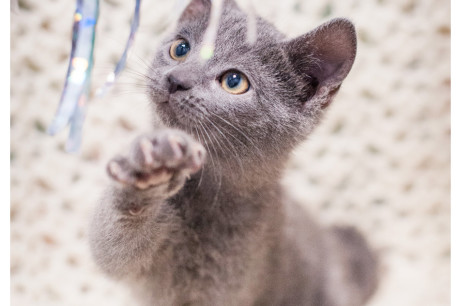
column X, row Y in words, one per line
column 125, row 230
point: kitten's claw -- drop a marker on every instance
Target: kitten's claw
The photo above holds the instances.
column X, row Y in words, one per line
column 118, row 170
column 147, row 149
column 155, row 160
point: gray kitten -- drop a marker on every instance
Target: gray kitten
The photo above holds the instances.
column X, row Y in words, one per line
column 196, row 215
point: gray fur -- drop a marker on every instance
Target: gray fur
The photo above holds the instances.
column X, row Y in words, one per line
column 182, row 229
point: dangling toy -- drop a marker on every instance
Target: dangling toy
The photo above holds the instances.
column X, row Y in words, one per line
column 74, row 98
column 112, row 77
column 75, row 95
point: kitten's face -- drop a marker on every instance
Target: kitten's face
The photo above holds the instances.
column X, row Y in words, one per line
column 235, row 87
column 246, row 93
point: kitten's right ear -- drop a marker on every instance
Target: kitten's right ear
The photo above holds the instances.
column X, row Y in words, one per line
column 323, row 58
column 196, row 8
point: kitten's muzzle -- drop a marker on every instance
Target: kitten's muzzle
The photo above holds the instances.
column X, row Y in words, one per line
column 177, row 83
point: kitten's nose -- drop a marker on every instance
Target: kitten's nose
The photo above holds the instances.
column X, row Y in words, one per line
column 177, row 83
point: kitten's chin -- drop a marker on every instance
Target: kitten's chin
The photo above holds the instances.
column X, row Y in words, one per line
column 166, row 114
column 175, row 115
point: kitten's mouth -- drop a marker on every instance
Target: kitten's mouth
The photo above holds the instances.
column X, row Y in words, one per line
column 182, row 112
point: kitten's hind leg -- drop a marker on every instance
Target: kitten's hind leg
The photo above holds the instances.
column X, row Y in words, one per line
column 353, row 274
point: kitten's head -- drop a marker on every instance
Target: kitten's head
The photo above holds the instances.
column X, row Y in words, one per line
column 269, row 94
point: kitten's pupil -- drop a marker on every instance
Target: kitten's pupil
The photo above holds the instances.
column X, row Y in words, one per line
column 182, row 48
column 233, row 80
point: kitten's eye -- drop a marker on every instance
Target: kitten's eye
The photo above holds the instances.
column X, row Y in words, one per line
column 235, row 82
column 179, row 49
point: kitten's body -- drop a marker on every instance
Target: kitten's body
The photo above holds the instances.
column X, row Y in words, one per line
column 185, row 230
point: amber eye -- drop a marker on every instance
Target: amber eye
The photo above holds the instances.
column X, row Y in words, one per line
column 235, row 82
column 179, row 49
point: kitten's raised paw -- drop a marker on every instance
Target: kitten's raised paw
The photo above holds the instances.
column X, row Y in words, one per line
column 154, row 160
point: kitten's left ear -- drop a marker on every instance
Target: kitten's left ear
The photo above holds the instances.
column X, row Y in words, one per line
column 196, row 8
column 199, row 8
column 323, row 58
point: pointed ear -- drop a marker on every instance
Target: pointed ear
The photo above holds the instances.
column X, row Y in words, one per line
column 196, row 8
column 323, row 58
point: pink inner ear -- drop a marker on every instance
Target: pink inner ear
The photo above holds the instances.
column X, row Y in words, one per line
column 196, row 8
column 336, row 45
column 327, row 52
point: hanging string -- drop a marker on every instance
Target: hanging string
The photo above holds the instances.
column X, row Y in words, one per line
column 113, row 76
column 74, row 97
column 207, row 50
